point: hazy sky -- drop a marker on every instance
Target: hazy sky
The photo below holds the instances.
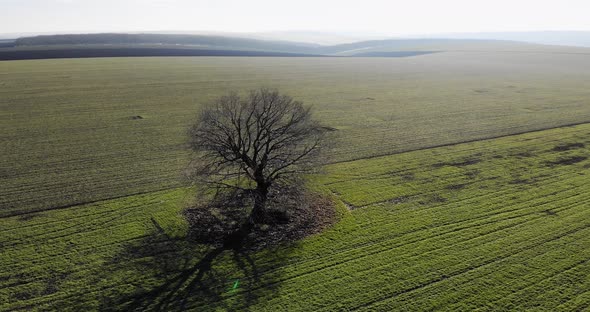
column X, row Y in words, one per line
column 375, row 16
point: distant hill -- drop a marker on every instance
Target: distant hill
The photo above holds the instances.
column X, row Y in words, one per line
column 392, row 45
column 128, row 51
column 206, row 42
column 113, row 45
column 7, row 43
column 318, row 37
column 563, row 38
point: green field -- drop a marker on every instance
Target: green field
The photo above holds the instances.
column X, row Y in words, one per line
column 499, row 224
column 68, row 136
column 90, row 197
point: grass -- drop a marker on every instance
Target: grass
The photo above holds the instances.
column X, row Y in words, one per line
column 498, row 225
column 91, row 194
column 69, row 137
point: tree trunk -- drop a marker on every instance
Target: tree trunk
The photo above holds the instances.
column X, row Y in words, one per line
column 260, row 197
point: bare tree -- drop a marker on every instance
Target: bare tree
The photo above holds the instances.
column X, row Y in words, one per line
column 253, row 143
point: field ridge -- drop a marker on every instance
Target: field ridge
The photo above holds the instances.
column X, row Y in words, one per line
column 463, row 142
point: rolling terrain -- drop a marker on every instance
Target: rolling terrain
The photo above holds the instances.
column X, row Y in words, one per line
column 460, row 177
column 136, row 45
column 71, row 135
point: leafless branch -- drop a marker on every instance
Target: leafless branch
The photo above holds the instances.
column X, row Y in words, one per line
column 254, row 141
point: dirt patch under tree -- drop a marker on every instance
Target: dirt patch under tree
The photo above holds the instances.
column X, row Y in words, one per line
column 223, row 226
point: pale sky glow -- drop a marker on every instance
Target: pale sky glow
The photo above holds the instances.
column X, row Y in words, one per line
column 369, row 16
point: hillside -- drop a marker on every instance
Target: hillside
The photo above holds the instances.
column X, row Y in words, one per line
column 117, row 45
column 6, row 43
column 208, row 42
column 92, row 51
column 460, row 180
column 564, row 38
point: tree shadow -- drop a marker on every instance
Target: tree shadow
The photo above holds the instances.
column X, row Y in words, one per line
column 220, row 265
column 177, row 275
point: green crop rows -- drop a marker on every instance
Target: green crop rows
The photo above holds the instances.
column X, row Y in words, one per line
column 499, row 224
column 69, row 136
column 91, row 194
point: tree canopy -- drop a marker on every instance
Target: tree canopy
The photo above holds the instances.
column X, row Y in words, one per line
column 251, row 143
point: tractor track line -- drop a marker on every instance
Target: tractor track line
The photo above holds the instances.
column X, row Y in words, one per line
column 462, row 142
